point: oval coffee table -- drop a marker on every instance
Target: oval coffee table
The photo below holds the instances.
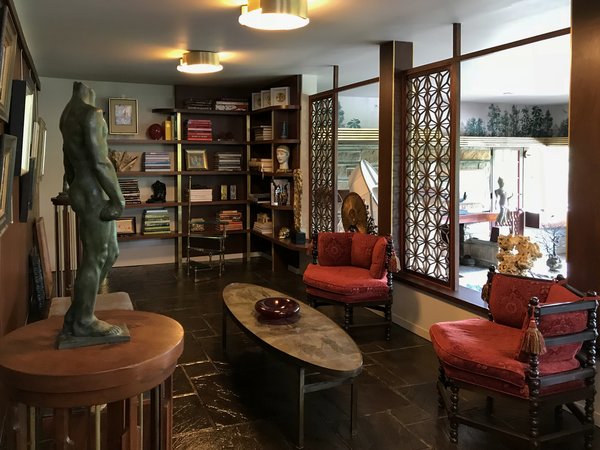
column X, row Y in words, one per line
column 310, row 341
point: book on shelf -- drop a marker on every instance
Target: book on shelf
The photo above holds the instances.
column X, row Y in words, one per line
column 200, row 195
column 231, row 105
column 156, row 221
column 262, row 132
column 229, row 161
column 197, row 225
column 202, row 104
column 263, row 224
column 263, row 197
column 261, row 164
column 156, row 162
column 131, row 191
column 231, row 219
column 198, row 130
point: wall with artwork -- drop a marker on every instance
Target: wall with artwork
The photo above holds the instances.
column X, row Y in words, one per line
column 509, row 119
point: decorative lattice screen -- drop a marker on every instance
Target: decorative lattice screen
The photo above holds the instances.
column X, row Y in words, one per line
column 428, row 177
column 322, row 164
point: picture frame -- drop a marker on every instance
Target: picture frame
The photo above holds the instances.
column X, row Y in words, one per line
column 125, row 226
column 265, row 98
column 22, row 106
column 280, row 96
column 41, row 153
column 196, row 160
column 280, row 192
column 224, row 192
column 232, row 192
column 8, row 148
column 122, row 116
column 256, row 101
column 8, row 49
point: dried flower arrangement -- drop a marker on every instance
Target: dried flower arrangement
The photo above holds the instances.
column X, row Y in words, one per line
column 516, row 254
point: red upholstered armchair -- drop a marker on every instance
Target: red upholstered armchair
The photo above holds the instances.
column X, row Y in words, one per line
column 352, row 269
column 538, row 348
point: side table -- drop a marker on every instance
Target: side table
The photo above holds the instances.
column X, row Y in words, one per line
column 36, row 375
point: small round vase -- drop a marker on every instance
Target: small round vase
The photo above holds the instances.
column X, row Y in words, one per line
column 155, row 131
column 554, row 263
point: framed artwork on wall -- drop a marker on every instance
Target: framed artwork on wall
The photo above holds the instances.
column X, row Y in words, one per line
column 8, row 148
column 122, row 116
column 125, row 226
column 8, row 49
column 196, row 160
column 280, row 96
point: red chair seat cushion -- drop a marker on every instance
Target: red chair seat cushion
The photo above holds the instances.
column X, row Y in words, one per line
column 481, row 352
column 345, row 283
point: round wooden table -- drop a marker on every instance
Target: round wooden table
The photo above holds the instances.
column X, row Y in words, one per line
column 36, row 374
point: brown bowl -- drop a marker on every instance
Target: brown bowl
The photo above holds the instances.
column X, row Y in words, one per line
column 277, row 307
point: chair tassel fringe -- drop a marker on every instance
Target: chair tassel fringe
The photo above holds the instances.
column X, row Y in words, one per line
column 533, row 341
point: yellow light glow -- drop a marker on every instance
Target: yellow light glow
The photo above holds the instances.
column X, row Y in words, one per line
column 198, row 62
column 274, row 14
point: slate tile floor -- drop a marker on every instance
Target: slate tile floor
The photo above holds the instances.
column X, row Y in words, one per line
column 246, row 401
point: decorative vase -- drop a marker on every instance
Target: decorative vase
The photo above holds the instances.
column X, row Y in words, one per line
column 554, row 263
column 155, row 131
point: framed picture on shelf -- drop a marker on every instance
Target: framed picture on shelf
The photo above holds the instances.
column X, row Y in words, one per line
column 280, row 192
column 265, row 98
column 8, row 148
column 223, row 192
column 125, row 226
column 280, row 96
column 256, row 101
column 8, row 49
column 122, row 116
column 232, row 192
column 196, row 160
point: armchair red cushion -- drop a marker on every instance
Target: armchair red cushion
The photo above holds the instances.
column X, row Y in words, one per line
column 335, row 249
column 349, row 281
column 510, row 295
column 362, row 250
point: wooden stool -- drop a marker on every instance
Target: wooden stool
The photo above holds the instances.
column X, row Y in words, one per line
column 36, row 375
column 104, row 302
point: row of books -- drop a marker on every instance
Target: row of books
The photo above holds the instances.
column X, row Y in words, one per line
column 156, row 162
column 261, row 164
column 156, row 221
column 131, row 191
column 225, row 104
column 199, row 130
column 229, row 161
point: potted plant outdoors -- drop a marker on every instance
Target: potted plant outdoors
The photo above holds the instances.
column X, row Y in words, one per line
column 551, row 239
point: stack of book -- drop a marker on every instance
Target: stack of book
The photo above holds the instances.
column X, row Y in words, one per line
column 202, row 104
column 229, row 161
column 231, row 105
column 263, row 133
column 261, row 164
column 198, row 194
column 156, row 221
column 263, row 224
column 131, row 191
column 199, row 130
column 232, row 219
column 156, row 162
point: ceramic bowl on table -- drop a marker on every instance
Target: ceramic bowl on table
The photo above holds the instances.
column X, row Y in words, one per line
column 277, row 308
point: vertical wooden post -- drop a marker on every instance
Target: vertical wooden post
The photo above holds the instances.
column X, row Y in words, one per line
column 394, row 57
column 583, row 220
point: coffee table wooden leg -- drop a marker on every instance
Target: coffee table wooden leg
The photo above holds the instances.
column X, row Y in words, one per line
column 155, row 418
column 300, row 441
column 353, row 407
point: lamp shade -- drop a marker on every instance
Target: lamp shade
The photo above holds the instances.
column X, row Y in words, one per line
column 199, row 62
column 275, row 14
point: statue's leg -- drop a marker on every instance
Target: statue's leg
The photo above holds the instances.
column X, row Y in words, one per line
column 80, row 319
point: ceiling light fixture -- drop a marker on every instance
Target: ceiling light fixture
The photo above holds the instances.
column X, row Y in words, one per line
column 199, row 61
column 275, row 14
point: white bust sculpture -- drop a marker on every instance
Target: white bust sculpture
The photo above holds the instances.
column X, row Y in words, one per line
column 283, row 156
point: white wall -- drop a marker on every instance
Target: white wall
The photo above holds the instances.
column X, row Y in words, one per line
column 53, row 97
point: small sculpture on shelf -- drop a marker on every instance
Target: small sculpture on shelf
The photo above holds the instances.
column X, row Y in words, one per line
column 283, row 157
column 284, row 233
column 159, row 192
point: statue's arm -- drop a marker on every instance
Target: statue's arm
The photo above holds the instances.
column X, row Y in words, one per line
column 102, row 167
column 69, row 172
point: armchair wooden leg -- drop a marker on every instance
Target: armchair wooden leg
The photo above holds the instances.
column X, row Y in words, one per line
column 452, row 414
column 534, row 423
column 589, row 415
column 388, row 318
column 489, row 405
column 441, row 385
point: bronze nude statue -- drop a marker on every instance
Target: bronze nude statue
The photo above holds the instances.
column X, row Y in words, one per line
column 96, row 198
